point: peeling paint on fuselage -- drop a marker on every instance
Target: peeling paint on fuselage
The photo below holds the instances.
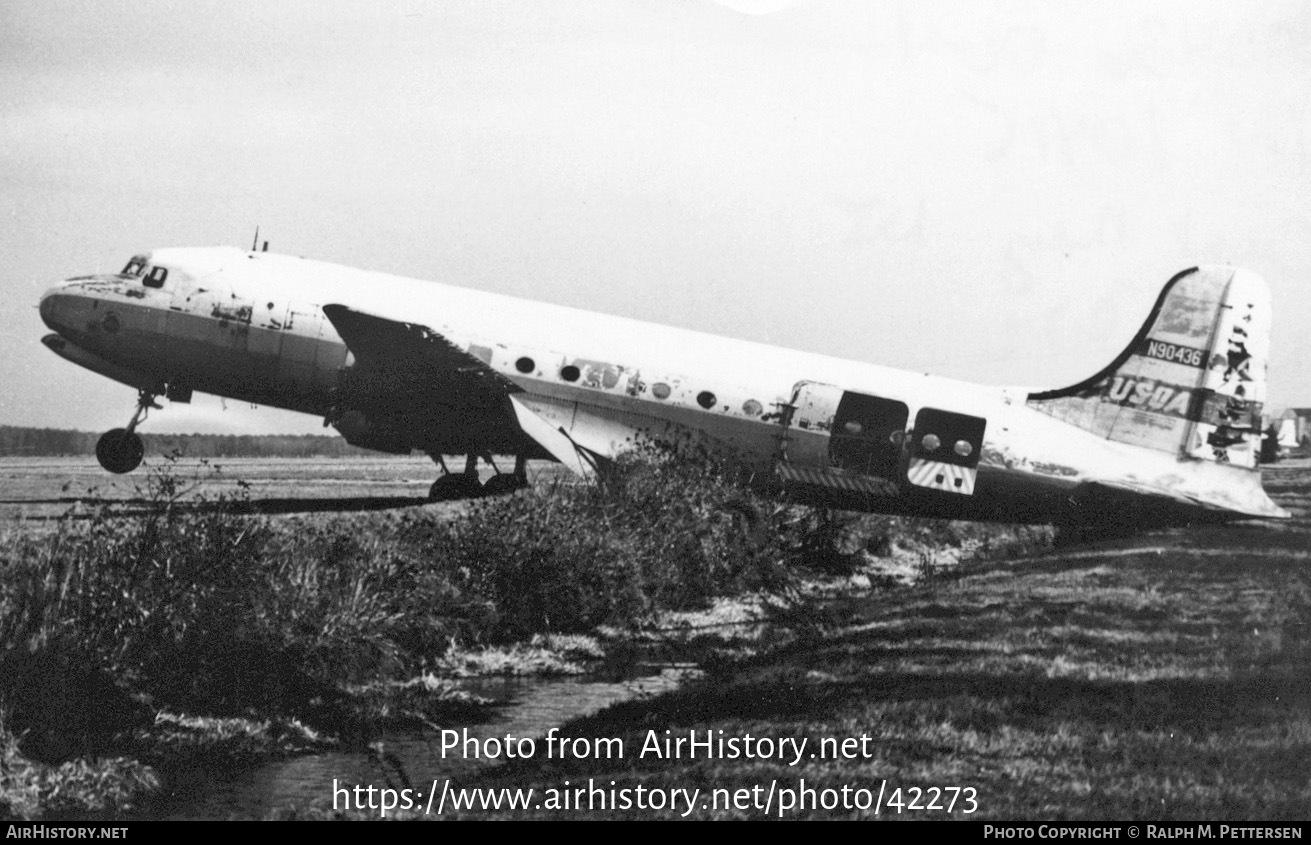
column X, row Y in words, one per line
column 201, row 338
column 237, row 313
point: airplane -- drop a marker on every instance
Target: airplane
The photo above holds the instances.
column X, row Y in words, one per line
column 1166, row 433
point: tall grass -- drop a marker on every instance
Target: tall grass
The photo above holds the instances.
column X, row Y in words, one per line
column 196, row 606
column 199, row 607
column 659, row 532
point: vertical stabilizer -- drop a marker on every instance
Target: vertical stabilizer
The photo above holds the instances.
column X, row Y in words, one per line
column 1192, row 382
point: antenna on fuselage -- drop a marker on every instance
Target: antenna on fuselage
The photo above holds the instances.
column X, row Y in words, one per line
column 254, row 245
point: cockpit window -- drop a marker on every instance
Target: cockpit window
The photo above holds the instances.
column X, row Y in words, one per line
column 135, row 267
column 155, row 278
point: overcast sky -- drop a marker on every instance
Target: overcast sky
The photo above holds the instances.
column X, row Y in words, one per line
column 989, row 191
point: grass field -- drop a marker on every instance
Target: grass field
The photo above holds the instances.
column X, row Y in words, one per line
column 38, row 490
column 1163, row 676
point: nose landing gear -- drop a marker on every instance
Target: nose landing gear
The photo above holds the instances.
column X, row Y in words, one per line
column 120, row 450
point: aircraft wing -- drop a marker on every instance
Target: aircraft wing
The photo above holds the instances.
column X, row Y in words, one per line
column 411, row 369
column 400, row 356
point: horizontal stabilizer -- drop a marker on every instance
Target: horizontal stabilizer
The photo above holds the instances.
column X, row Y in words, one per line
column 1245, row 499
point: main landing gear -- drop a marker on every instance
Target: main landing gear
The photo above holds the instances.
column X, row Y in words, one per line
column 120, row 450
column 465, row 485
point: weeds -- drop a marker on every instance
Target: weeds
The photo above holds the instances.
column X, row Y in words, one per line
column 194, row 606
column 74, row 789
column 660, row 533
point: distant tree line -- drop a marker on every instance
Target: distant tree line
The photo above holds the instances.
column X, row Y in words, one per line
column 18, row 441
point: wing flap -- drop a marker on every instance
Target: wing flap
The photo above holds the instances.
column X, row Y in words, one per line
column 554, row 439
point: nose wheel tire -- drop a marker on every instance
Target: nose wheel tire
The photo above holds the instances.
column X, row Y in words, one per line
column 119, row 450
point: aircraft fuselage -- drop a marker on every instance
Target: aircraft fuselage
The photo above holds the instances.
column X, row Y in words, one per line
column 251, row 326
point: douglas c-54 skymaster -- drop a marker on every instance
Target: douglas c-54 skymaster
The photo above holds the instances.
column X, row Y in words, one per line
column 1168, row 431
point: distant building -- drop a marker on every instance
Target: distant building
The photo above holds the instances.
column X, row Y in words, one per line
column 1301, row 420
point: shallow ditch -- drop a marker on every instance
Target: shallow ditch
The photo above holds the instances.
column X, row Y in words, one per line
column 303, row 785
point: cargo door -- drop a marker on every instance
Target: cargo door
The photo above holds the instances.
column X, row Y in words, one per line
column 945, row 449
column 868, row 432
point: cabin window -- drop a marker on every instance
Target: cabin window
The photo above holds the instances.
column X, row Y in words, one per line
column 706, row 399
column 155, row 278
column 524, row 365
column 134, row 267
column 570, row 373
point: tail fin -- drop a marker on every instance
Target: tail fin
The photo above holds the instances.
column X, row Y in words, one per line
column 1193, row 380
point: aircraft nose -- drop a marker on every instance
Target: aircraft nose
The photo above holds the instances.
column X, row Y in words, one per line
column 50, row 307
column 57, row 306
